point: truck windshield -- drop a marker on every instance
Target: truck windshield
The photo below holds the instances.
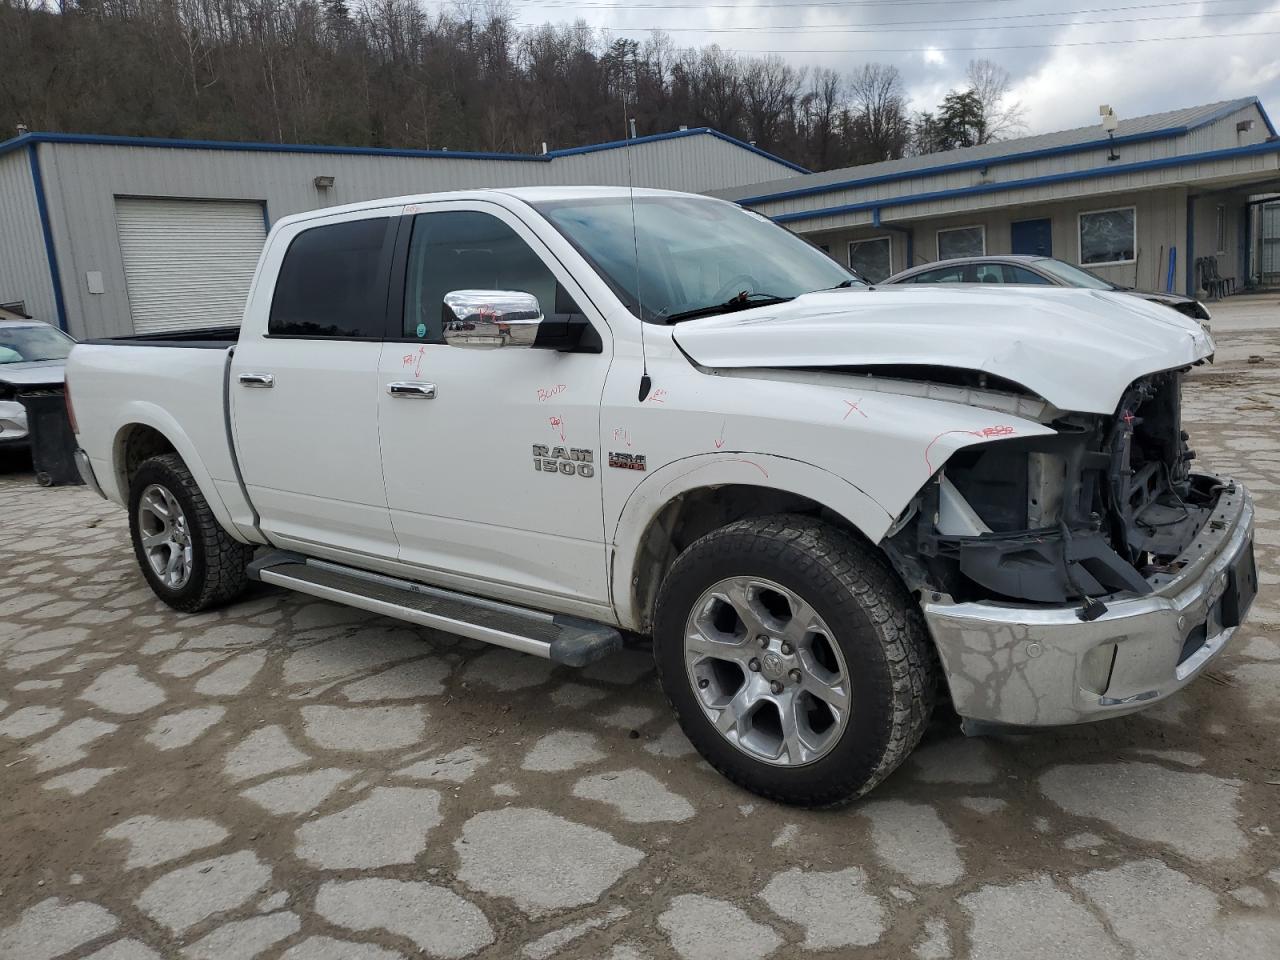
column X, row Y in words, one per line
column 23, row 343
column 691, row 256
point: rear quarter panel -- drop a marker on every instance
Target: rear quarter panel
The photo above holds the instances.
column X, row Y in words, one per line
column 177, row 391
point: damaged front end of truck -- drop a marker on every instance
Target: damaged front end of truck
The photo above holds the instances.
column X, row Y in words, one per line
column 1106, row 505
column 1069, row 561
column 1081, row 574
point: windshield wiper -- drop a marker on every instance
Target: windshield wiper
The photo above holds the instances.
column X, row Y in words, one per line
column 740, row 302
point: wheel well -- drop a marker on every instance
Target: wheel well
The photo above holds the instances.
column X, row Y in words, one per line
column 134, row 444
column 695, row 514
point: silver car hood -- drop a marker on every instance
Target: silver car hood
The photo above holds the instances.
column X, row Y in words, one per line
column 33, row 373
column 1078, row 349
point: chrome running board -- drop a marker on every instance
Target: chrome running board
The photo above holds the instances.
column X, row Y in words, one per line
column 571, row 641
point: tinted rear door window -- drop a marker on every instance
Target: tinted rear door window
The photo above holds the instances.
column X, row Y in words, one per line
column 1015, row 274
column 333, row 282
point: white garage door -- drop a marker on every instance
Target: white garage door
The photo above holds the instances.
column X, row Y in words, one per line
column 188, row 263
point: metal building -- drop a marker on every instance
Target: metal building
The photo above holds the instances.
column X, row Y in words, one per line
column 1140, row 207
column 114, row 235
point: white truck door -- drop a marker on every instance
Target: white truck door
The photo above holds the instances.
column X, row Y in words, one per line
column 494, row 479
column 304, row 387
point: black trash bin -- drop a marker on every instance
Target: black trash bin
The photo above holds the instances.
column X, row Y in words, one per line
column 53, row 445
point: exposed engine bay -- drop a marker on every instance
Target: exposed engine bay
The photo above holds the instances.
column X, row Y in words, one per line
column 1096, row 509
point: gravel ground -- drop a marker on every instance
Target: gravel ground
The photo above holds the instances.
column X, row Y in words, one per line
column 292, row 779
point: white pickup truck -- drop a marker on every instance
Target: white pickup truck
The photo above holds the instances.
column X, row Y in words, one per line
column 544, row 417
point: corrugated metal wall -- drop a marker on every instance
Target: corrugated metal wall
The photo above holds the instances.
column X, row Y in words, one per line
column 24, row 269
column 695, row 164
column 83, row 180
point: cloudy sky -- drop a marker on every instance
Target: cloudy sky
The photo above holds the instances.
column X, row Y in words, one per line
column 1065, row 57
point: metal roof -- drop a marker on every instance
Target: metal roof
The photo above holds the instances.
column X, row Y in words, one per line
column 248, row 146
column 1153, row 126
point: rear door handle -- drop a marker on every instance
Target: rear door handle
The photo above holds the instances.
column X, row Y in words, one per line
column 411, row 390
column 258, row 379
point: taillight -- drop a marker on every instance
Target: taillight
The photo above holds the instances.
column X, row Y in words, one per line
column 71, row 410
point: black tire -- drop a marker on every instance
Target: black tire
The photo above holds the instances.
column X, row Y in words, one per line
column 218, row 571
column 892, row 675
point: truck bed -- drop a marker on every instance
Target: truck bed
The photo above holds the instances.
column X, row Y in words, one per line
column 208, row 338
column 176, row 391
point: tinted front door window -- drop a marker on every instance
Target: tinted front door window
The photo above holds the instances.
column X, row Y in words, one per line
column 466, row 250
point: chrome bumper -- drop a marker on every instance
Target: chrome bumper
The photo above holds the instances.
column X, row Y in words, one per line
column 1045, row 667
column 86, row 473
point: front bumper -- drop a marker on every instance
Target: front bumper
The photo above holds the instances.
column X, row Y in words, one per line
column 1035, row 667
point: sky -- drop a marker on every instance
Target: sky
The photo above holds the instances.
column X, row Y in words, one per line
column 1234, row 50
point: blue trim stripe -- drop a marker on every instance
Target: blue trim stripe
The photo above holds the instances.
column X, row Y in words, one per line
column 94, row 139
column 1271, row 127
column 1229, row 109
column 1190, row 264
column 959, row 165
column 1271, row 146
column 50, row 252
column 252, row 147
column 1007, row 158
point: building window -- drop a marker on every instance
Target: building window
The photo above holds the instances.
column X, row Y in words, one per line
column 1108, row 236
column 872, row 259
column 962, row 242
column 1222, row 229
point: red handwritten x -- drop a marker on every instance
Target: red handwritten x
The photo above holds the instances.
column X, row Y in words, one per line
column 853, row 405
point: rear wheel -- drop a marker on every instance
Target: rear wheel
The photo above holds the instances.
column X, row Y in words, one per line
column 797, row 663
column 190, row 562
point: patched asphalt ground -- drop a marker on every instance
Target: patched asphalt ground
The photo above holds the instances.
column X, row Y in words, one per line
column 294, row 780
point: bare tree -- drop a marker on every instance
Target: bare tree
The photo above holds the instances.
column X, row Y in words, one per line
column 819, row 117
column 990, row 83
column 878, row 112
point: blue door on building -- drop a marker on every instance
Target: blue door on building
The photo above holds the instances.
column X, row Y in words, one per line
column 1032, row 237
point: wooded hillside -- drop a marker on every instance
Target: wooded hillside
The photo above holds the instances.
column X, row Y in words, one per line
column 393, row 73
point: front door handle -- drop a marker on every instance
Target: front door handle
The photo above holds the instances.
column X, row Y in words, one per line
column 412, row 390
column 257, row 379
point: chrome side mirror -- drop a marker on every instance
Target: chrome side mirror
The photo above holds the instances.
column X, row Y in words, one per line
column 491, row 318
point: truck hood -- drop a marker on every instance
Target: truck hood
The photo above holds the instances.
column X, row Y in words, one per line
column 1078, row 349
column 33, row 373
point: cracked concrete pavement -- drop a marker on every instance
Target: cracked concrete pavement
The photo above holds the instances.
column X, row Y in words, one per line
column 294, row 780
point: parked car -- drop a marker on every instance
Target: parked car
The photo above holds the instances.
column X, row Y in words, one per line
column 32, row 355
column 541, row 417
column 1039, row 271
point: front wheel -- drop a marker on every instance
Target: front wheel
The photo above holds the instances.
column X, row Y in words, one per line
column 190, row 562
column 797, row 663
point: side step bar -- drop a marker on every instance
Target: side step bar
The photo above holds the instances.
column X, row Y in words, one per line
column 571, row 641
